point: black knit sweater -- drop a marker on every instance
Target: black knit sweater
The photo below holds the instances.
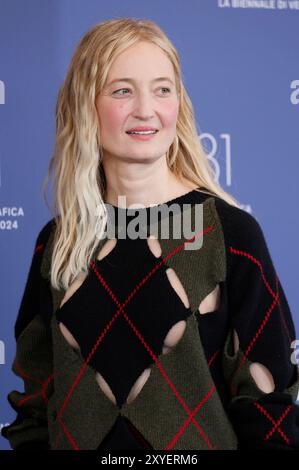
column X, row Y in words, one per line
column 233, row 411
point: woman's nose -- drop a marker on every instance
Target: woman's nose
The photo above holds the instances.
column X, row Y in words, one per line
column 144, row 105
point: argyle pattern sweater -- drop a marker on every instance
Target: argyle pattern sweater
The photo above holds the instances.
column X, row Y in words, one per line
column 202, row 394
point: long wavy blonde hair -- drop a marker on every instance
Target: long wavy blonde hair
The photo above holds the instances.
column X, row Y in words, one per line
column 79, row 179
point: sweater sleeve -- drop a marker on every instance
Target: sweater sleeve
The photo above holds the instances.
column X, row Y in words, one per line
column 261, row 335
column 33, row 359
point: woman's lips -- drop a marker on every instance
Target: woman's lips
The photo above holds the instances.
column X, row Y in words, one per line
column 142, row 136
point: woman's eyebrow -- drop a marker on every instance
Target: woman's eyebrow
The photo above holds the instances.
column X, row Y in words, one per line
column 131, row 80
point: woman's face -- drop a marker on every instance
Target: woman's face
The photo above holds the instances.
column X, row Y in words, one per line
column 140, row 100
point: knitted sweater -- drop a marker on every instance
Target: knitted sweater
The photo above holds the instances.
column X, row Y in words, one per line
column 199, row 392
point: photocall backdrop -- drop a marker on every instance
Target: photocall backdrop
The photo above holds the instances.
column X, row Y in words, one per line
column 240, row 67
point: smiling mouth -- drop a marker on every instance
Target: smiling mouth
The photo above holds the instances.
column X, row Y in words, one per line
column 138, row 137
column 142, row 132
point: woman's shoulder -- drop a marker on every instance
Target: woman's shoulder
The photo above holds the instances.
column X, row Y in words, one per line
column 44, row 245
column 46, row 230
column 239, row 225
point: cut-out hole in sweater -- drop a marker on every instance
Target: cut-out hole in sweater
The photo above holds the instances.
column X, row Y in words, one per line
column 107, row 248
column 262, row 377
column 154, row 246
column 260, row 373
column 211, row 302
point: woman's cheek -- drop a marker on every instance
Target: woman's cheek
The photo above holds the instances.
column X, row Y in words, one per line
column 114, row 118
column 170, row 114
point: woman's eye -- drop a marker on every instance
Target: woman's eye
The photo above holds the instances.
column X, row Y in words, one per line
column 122, row 89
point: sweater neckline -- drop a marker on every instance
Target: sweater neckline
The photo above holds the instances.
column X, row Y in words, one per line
column 182, row 199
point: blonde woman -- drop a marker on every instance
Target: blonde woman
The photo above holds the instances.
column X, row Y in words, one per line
column 130, row 342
